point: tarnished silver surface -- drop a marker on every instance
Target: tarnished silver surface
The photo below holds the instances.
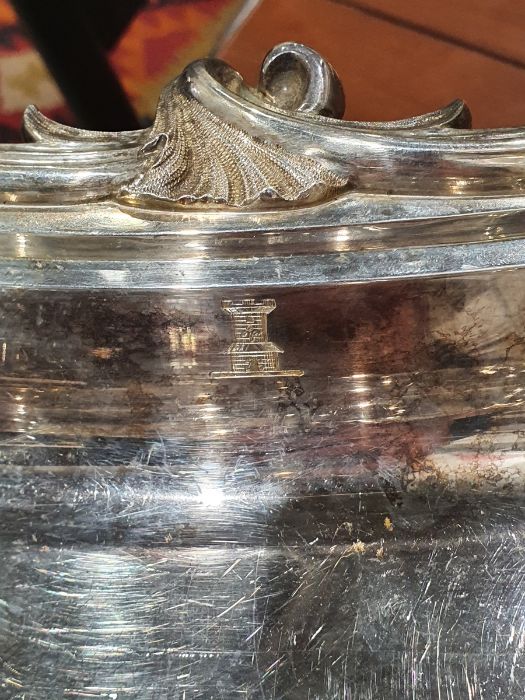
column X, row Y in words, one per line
column 271, row 451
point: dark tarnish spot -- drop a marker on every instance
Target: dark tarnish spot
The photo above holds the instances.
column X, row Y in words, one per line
column 449, row 354
column 463, row 427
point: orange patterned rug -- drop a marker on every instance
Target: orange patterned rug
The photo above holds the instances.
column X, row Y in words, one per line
column 160, row 40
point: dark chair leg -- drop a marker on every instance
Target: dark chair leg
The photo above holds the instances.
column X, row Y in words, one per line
column 64, row 32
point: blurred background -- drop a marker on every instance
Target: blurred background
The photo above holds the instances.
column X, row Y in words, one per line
column 101, row 63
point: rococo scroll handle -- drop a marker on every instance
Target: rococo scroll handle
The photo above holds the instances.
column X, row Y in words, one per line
column 217, row 143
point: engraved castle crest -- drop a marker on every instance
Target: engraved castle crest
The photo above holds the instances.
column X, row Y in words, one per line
column 252, row 354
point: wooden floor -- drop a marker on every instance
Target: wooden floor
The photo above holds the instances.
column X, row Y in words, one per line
column 398, row 58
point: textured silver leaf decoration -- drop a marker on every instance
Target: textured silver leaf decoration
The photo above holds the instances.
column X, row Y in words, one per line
column 195, row 156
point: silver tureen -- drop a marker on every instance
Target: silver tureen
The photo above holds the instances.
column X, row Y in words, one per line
column 262, row 383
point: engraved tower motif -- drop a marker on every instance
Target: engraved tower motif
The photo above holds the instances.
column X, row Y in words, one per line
column 252, row 354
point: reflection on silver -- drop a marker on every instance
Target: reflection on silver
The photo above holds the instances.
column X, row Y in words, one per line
column 350, row 529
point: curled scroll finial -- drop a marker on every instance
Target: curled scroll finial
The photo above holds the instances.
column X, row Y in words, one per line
column 196, row 155
column 297, row 78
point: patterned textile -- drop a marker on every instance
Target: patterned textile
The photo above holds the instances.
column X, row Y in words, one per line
column 160, row 40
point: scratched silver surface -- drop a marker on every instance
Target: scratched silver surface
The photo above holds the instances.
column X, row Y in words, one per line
column 355, row 533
